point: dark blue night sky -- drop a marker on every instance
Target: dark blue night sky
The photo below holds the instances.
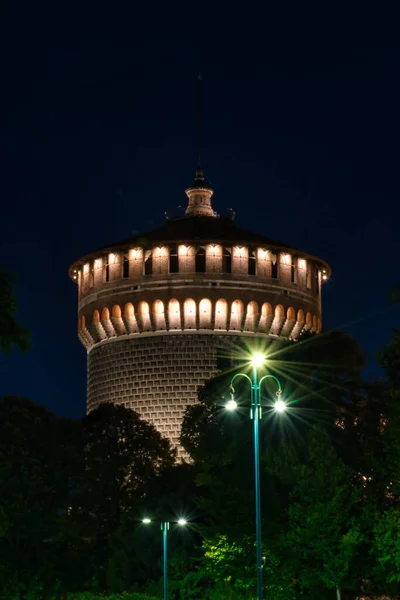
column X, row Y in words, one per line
column 301, row 137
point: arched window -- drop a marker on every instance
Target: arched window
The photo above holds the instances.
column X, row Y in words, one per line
column 174, row 314
column 252, row 262
column 266, row 317
column 126, row 266
column 293, row 274
column 278, row 320
column 158, row 312
column 200, row 260
column 316, row 271
column 116, row 312
column 116, row 318
column 129, row 318
column 205, row 313
column 148, row 263
column 144, row 312
column 107, row 272
column 221, row 313
column 129, row 310
column 189, row 312
column 309, row 276
column 274, row 266
column 236, row 315
column 227, row 261
column 291, row 315
column 251, row 316
column 91, row 274
column 173, row 259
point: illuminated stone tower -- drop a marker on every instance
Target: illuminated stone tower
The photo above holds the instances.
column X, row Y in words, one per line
column 153, row 310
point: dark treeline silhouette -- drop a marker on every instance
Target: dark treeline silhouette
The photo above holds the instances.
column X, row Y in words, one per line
column 73, row 493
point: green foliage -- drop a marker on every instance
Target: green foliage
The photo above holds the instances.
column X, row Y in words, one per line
column 226, row 561
column 12, row 333
column 323, row 527
column 38, row 456
column 386, row 545
column 70, row 497
column 72, row 493
column 122, row 596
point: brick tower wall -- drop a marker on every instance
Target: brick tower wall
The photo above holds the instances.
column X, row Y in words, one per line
column 157, row 376
column 153, row 313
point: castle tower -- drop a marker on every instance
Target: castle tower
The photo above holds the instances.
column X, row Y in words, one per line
column 154, row 310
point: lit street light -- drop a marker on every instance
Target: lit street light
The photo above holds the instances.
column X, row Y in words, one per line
column 231, row 405
column 256, row 414
column 280, row 406
column 165, row 529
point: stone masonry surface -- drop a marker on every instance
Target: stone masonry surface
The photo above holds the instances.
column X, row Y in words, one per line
column 156, row 376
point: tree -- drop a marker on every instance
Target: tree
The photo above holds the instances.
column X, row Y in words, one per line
column 319, row 376
column 71, row 494
column 385, row 542
column 323, row 531
column 386, row 545
column 38, row 459
column 12, row 333
column 123, row 456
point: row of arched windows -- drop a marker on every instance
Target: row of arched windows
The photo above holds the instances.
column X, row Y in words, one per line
column 200, row 262
column 191, row 315
column 210, row 259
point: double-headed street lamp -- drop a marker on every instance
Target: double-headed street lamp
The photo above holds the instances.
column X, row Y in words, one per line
column 279, row 406
column 165, row 529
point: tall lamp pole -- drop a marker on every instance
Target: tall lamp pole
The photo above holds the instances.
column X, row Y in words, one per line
column 256, row 414
column 165, row 529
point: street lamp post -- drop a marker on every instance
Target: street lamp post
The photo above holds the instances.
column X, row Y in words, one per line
column 256, row 415
column 165, row 529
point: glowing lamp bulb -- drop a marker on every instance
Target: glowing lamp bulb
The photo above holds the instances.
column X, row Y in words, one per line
column 280, row 406
column 182, row 522
column 146, row 521
column 231, row 405
column 257, row 359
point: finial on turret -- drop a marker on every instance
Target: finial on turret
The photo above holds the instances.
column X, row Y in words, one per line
column 199, row 177
column 200, row 193
column 198, row 118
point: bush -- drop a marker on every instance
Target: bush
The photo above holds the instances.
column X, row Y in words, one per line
column 122, row 596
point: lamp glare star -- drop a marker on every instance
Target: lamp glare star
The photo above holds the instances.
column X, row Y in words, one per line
column 231, row 405
column 280, row 406
column 258, row 359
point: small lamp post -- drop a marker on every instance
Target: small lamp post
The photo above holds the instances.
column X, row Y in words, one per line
column 257, row 360
column 165, row 529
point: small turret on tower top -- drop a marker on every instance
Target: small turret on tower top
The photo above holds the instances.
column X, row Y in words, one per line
column 199, row 196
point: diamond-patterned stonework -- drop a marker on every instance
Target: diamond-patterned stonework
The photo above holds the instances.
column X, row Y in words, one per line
column 157, row 376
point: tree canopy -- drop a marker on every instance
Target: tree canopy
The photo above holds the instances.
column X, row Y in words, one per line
column 73, row 493
column 12, row 332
